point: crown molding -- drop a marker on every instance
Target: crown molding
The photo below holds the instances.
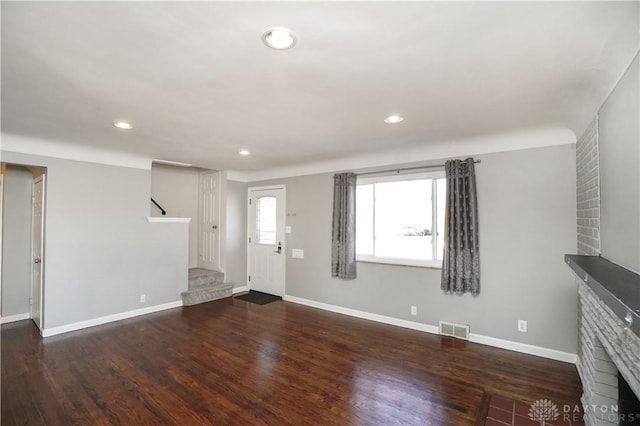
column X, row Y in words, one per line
column 51, row 148
column 512, row 141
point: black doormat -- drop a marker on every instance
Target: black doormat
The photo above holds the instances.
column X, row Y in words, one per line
column 258, row 297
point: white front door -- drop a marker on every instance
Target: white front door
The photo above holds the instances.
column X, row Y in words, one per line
column 37, row 225
column 266, row 240
column 209, row 220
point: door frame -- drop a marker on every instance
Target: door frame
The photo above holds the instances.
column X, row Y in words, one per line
column 43, row 178
column 284, row 201
column 217, row 243
column 3, row 167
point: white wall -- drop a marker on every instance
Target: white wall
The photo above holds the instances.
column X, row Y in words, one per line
column 176, row 190
column 619, row 146
column 527, row 223
column 16, row 241
column 101, row 253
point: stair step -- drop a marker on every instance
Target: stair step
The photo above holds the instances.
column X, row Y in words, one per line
column 206, row 294
column 200, row 278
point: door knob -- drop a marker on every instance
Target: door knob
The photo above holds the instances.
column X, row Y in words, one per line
column 36, row 260
column 279, row 249
column 214, row 227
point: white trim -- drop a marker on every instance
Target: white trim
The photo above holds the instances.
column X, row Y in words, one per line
column 14, row 318
column 72, row 151
column 267, row 188
column 222, row 222
column 169, row 219
column 2, row 171
column 40, row 319
column 365, row 315
column 538, row 137
column 475, row 338
column 524, row 348
column 242, row 289
column 171, row 163
column 415, row 263
column 47, row 332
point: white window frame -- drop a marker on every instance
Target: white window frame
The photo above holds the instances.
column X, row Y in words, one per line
column 435, row 264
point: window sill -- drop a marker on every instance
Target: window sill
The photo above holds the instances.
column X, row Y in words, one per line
column 401, row 262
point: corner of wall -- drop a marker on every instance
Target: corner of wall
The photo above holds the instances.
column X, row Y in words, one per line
column 588, row 191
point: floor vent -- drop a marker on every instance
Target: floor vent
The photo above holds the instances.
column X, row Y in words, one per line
column 459, row 331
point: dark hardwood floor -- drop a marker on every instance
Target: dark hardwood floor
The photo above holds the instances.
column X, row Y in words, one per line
column 232, row 362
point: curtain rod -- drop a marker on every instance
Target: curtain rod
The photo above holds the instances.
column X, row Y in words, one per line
column 409, row 168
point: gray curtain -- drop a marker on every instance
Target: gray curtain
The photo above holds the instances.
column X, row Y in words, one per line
column 461, row 263
column 343, row 246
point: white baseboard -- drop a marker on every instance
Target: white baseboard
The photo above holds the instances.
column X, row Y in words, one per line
column 14, row 318
column 475, row 338
column 240, row 289
column 524, row 348
column 365, row 315
column 47, row 332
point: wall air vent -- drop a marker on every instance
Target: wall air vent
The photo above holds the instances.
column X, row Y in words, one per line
column 459, row 331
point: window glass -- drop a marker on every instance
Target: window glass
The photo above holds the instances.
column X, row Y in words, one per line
column 266, row 220
column 364, row 219
column 441, row 189
column 403, row 219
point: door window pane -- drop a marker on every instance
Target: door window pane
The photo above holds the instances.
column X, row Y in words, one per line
column 266, row 220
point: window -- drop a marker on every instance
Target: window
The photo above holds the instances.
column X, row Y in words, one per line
column 400, row 219
column 266, row 220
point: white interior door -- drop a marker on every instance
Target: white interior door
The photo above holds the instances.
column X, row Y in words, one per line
column 209, row 220
column 266, row 240
column 37, row 225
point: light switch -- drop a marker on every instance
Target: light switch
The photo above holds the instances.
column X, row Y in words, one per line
column 287, row 229
column 297, row 253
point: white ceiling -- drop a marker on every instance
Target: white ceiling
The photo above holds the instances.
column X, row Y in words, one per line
column 198, row 84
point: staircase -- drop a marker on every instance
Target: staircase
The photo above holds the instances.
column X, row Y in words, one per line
column 205, row 286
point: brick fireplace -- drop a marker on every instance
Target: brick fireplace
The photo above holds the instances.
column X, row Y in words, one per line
column 609, row 342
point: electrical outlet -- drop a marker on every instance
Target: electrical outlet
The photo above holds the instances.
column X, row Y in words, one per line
column 522, row 326
column 143, row 298
column 414, row 310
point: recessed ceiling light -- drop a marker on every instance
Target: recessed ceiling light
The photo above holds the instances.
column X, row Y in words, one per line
column 122, row 125
column 393, row 119
column 244, row 152
column 279, row 38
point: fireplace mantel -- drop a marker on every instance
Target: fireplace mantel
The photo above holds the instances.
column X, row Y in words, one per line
column 618, row 287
